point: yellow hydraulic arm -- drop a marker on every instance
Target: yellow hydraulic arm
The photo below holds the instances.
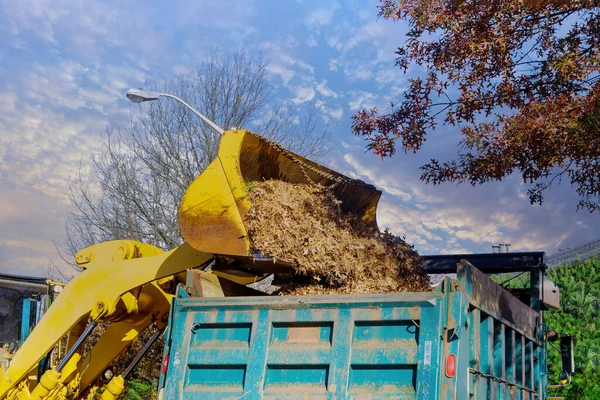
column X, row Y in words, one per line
column 119, row 284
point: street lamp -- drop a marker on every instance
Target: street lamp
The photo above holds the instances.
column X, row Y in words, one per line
column 139, row 96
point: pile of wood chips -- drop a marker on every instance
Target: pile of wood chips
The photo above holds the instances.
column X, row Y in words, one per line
column 332, row 252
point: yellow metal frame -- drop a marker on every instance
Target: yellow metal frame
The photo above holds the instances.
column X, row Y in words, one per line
column 211, row 210
column 114, row 286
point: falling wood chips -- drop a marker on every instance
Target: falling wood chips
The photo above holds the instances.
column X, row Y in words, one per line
column 332, row 252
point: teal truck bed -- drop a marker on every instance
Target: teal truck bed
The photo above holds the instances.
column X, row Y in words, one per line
column 467, row 339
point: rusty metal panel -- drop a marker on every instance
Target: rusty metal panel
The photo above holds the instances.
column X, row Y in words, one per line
column 529, row 374
column 500, row 375
column 475, row 380
column 509, row 363
column 486, row 357
column 370, row 346
column 499, row 352
column 496, row 301
column 520, row 360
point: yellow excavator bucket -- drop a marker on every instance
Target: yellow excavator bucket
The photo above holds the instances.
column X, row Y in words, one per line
column 214, row 207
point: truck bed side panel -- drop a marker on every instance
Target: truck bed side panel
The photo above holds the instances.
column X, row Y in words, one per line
column 329, row 347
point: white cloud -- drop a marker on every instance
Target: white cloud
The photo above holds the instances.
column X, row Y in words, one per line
column 377, row 40
column 305, row 66
column 182, row 69
column 358, row 70
column 507, row 220
column 335, row 112
column 321, row 16
column 397, row 90
column 387, row 76
column 52, row 129
column 303, row 94
column 216, row 14
column 30, row 221
column 286, row 66
column 400, row 220
column 367, row 14
column 366, row 52
column 333, row 65
column 366, row 33
column 56, row 85
column 455, row 250
column 382, row 182
column 433, row 228
column 41, row 148
column 311, row 42
column 450, row 219
column 30, row 245
column 34, row 17
column 286, row 74
column 335, row 42
column 325, row 91
column 74, row 86
column 362, row 100
column 119, row 77
column 98, row 98
column 86, row 29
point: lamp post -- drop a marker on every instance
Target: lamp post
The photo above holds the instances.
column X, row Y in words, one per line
column 139, row 96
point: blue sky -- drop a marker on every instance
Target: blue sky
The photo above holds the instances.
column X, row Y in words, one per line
column 66, row 65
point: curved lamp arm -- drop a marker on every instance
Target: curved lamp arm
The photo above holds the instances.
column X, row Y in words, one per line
column 139, row 96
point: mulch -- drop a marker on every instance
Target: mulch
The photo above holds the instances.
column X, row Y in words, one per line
column 332, row 252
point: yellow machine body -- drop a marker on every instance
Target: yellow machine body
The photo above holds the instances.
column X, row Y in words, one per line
column 125, row 283
column 214, row 207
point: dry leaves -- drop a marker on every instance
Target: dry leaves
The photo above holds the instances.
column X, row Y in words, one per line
column 332, row 252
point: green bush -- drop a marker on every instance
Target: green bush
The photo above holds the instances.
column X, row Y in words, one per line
column 137, row 389
column 579, row 285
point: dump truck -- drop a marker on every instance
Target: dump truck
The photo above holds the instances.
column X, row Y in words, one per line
column 469, row 337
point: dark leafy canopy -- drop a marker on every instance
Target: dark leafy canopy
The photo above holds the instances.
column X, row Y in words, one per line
column 520, row 79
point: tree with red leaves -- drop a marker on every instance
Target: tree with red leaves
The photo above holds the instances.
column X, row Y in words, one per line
column 521, row 79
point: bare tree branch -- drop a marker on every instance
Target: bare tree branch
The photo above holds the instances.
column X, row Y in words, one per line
column 135, row 185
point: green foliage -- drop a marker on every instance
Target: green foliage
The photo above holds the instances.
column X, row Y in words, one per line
column 512, row 280
column 137, row 389
column 579, row 285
